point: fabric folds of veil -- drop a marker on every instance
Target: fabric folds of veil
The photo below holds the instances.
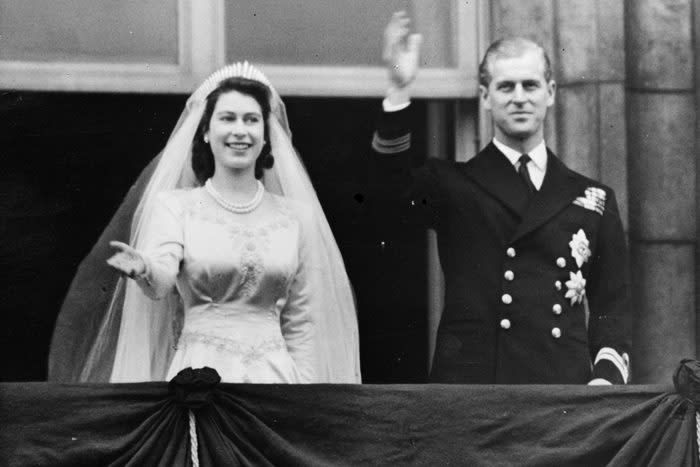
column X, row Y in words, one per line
column 108, row 330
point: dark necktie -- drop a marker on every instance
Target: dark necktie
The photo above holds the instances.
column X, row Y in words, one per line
column 525, row 174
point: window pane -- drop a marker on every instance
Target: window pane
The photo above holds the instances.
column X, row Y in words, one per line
column 323, row 32
column 133, row 31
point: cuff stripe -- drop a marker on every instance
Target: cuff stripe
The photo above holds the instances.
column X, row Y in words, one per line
column 391, row 146
column 606, row 353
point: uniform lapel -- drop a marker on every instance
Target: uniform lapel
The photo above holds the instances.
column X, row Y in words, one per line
column 493, row 172
column 559, row 188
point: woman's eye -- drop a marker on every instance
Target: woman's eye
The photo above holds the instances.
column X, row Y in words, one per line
column 252, row 119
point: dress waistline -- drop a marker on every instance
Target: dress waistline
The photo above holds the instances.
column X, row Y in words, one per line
column 223, row 319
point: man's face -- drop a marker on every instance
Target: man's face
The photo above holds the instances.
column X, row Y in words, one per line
column 518, row 96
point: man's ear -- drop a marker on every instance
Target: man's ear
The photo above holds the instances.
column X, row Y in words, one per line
column 552, row 91
column 484, row 97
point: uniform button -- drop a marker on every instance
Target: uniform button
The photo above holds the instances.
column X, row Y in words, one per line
column 505, row 323
column 557, row 285
column 511, row 252
column 556, row 333
column 509, row 275
column 561, row 262
column 556, row 309
column 507, row 299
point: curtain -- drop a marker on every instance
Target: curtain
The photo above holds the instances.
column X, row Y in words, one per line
column 257, row 425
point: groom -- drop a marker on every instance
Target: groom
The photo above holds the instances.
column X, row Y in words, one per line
column 524, row 242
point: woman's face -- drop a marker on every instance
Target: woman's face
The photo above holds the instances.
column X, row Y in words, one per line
column 236, row 132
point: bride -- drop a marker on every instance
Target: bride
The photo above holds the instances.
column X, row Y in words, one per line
column 229, row 262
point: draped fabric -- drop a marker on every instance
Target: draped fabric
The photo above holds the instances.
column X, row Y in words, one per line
column 257, row 425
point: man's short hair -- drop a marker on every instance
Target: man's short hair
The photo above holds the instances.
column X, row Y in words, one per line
column 511, row 47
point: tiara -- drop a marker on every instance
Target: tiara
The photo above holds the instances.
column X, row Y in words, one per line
column 238, row 69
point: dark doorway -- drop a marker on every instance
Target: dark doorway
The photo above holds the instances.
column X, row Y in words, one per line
column 69, row 158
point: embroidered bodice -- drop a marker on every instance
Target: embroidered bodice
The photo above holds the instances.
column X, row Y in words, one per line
column 243, row 281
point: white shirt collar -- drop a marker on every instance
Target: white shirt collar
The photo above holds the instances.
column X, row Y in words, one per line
column 538, row 154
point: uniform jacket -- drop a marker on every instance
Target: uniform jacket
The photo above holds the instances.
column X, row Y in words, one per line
column 514, row 295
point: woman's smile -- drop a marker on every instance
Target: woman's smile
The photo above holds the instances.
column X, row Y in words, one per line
column 236, row 131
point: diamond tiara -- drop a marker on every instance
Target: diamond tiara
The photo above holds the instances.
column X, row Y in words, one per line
column 238, row 69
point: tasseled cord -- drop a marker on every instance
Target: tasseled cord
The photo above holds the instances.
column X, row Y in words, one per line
column 193, row 439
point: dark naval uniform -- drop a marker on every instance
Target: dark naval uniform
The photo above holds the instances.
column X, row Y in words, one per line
column 518, row 270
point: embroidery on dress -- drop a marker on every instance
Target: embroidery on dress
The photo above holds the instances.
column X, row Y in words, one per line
column 252, row 268
column 255, row 241
column 251, row 241
column 249, row 353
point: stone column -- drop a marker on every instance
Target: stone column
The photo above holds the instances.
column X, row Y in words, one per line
column 661, row 117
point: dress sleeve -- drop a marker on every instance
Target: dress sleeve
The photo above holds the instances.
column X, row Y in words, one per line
column 162, row 248
column 297, row 315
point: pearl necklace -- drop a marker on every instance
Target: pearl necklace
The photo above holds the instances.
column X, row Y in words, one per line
column 236, row 208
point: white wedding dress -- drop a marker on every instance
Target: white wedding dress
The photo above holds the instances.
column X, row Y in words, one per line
column 244, row 281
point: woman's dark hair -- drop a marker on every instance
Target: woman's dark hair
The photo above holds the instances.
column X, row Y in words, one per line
column 202, row 157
